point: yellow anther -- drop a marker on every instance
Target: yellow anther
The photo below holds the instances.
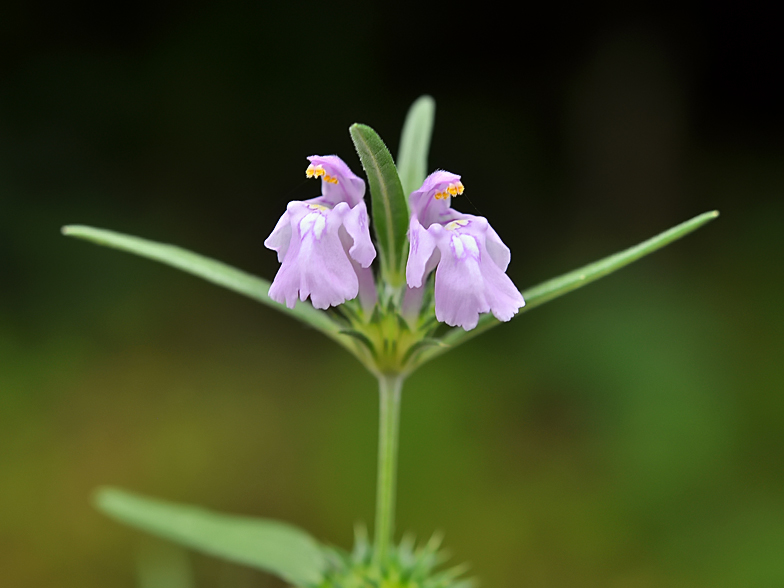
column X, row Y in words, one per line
column 315, row 171
column 317, row 207
column 318, row 171
column 453, row 189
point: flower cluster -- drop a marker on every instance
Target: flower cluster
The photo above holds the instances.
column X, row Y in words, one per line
column 325, row 249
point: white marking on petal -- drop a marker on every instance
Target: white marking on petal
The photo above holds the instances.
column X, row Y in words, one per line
column 470, row 243
column 457, row 245
column 314, row 221
column 318, row 227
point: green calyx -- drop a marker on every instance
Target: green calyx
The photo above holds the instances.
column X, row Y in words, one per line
column 389, row 340
column 407, row 566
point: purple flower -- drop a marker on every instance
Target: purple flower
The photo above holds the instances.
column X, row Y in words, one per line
column 323, row 244
column 470, row 257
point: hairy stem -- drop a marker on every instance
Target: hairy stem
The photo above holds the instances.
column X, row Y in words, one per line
column 389, row 387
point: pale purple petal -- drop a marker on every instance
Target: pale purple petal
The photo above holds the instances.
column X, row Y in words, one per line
column 502, row 295
column 425, row 206
column 280, row 237
column 468, row 280
column 421, row 247
column 350, row 188
column 355, row 221
column 316, row 264
column 412, row 304
column 499, row 252
column 368, row 296
column 459, row 292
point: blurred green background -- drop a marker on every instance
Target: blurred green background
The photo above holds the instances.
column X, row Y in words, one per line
column 628, row 435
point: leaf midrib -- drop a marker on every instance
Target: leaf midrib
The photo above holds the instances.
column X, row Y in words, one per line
column 390, row 228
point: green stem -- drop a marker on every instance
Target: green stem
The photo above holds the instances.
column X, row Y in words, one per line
column 389, row 387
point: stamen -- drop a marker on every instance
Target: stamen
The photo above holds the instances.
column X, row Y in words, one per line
column 453, row 189
column 317, row 207
column 317, row 171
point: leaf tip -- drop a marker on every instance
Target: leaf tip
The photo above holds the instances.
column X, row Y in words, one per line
column 357, row 127
column 426, row 99
column 101, row 497
column 74, row 230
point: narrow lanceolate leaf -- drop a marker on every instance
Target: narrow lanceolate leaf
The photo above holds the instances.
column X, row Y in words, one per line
column 415, row 143
column 389, row 206
column 578, row 278
column 272, row 546
column 209, row 269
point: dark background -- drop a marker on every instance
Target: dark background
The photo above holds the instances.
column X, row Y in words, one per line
column 628, row 435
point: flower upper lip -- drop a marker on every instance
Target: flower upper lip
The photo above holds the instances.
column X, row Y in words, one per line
column 346, row 187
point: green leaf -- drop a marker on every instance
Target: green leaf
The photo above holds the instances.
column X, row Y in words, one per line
column 272, row 546
column 209, row 269
column 389, row 206
column 546, row 291
column 415, row 143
